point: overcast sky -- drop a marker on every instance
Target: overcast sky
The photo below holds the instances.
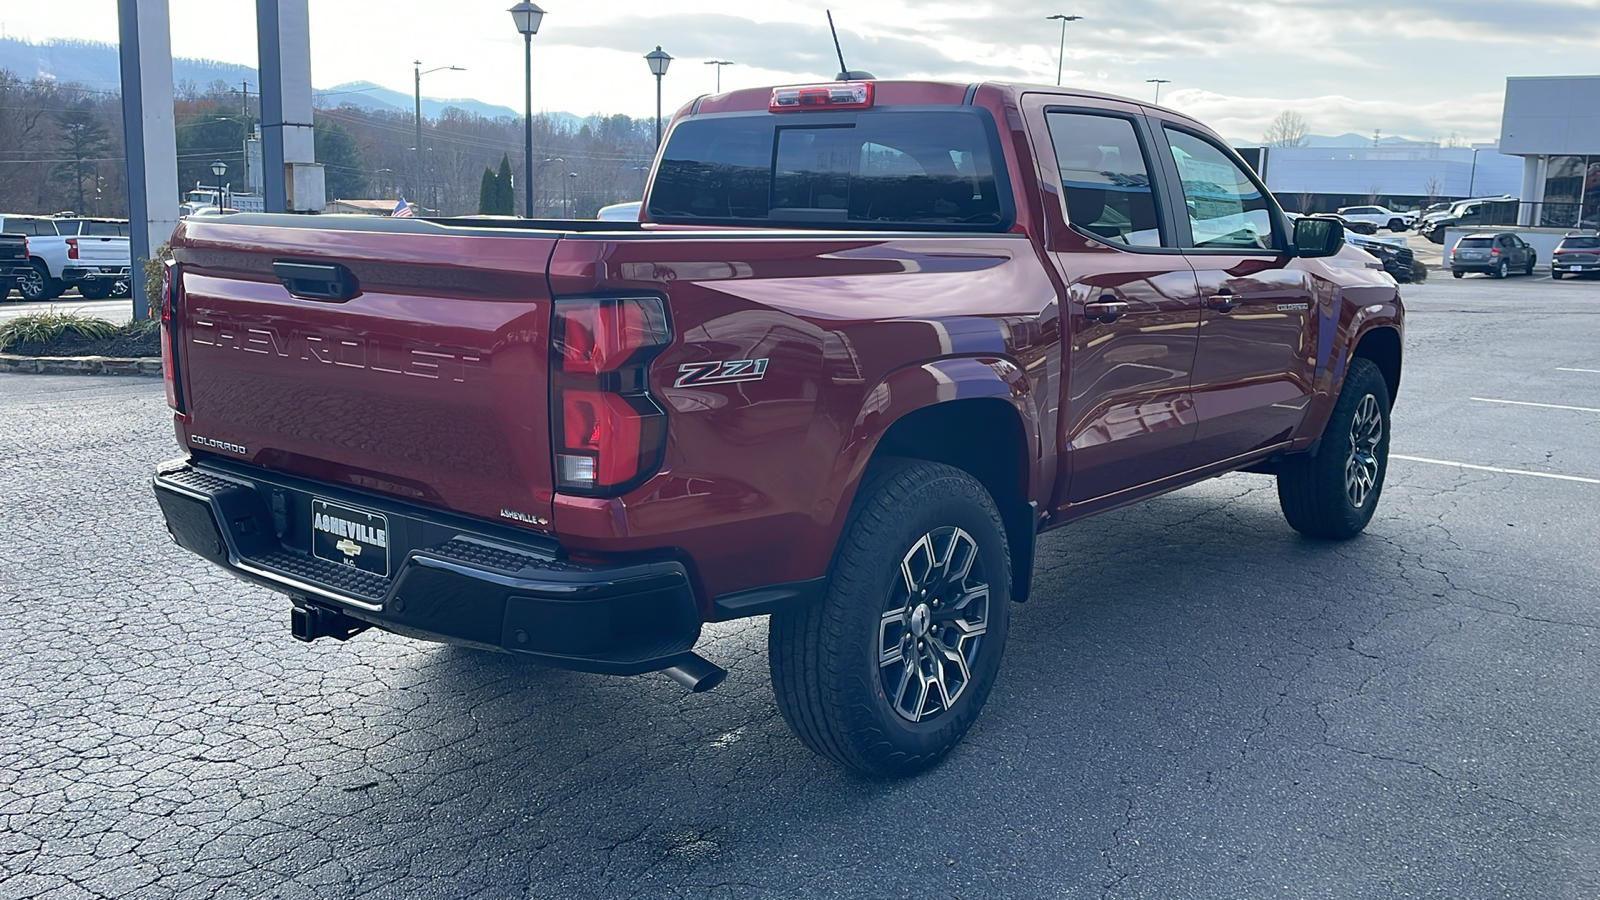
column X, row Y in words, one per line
column 1419, row 68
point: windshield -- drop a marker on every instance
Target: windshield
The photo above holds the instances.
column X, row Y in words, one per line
column 927, row 169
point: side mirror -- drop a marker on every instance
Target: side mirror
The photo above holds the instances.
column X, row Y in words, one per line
column 1317, row 237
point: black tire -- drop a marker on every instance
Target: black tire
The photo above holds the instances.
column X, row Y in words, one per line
column 1397, row 226
column 1554, row 275
column 1456, row 273
column 827, row 658
column 1503, row 270
column 38, row 286
column 95, row 290
column 1315, row 490
column 1529, row 269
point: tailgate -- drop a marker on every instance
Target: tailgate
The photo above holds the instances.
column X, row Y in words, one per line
column 102, row 251
column 429, row 384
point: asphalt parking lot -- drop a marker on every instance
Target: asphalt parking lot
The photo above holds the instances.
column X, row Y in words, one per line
column 1197, row 703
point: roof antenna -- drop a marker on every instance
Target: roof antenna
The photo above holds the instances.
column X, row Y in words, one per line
column 844, row 70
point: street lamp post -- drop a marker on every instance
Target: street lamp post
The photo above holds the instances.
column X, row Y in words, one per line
column 659, row 61
column 1061, row 59
column 219, row 169
column 1158, row 82
column 719, row 63
column 527, row 16
column 557, row 159
column 419, row 73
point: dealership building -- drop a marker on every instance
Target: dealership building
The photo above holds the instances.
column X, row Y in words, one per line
column 1553, row 124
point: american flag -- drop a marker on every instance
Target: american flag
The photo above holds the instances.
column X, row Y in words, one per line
column 401, row 210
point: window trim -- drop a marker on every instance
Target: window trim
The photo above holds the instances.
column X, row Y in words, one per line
column 1280, row 230
column 1005, row 193
column 1158, row 194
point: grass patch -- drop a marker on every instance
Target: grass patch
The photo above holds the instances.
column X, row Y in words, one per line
column 47, row 327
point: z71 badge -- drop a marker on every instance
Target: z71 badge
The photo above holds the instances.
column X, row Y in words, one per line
column 696, row 374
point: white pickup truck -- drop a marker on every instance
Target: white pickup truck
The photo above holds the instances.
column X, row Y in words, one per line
column 64, row 252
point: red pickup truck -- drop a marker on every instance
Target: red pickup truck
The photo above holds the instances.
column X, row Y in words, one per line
column 868, row 341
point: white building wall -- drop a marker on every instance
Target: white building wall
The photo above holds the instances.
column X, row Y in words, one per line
column 1393, row 171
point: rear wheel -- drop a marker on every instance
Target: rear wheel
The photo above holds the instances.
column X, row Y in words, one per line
column 886, row 674
column 1456, row 273
column 1555, row 275
column 95, row 290
column 1332, row 493
column 1503, row 270
column 37, row 285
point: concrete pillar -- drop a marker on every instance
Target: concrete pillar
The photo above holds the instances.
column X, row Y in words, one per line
column 1533, row 171
column 145, row 48
column 291, row 179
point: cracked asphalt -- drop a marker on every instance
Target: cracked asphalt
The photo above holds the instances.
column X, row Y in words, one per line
column 1197, row 703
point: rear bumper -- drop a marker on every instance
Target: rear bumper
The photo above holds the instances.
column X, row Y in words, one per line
column 93, row 273
column 449, row 579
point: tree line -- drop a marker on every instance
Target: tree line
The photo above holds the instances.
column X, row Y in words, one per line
column 61, row 148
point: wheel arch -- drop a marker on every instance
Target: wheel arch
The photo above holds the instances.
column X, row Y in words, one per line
column 1382, row 347
column 976, row 414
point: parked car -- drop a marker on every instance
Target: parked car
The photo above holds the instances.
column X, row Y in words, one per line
column 1479, row 211
column 64, row 252
column 13, row 262
column 870, row 339
column 1492, row 254
column 1393, row 253
column 620, row 212
column 1380, row 216
column 1354, row 225
column 1577, row 254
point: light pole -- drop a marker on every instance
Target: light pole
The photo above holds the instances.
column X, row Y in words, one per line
column 1158, row 82
column 219, row 169
column 1472, row 181
column 1061, row 59
column 419, row 74
column 564, row 202
column 719, row 63
column 659, row 61
column 527, row 16
column 557, row 159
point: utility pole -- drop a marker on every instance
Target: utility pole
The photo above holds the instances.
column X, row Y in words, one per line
column 1061, row 59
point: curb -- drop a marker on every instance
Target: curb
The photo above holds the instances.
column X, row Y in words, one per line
column 80, row 365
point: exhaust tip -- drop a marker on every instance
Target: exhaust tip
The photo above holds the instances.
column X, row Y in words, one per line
column 696, row 673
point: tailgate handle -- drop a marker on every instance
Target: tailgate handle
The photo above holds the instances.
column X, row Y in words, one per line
column 316, row 281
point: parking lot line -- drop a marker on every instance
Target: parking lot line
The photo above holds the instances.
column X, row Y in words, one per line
column 1541, row 405
column 1462, row 465
column 1565, row 369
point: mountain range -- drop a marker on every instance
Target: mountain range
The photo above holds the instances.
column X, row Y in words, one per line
column 96, row 66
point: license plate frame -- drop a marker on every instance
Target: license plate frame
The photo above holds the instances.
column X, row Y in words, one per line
column 350, row 536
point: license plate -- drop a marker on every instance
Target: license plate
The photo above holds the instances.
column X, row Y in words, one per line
column 1577, row 268
column 351, row 537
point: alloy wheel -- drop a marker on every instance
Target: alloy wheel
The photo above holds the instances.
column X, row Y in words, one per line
column 1361, row 468
column 933, row 623
column 31, row 285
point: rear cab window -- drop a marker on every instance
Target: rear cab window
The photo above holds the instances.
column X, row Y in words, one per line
column 928, row 168
column 1105, row 178
column 104, row 229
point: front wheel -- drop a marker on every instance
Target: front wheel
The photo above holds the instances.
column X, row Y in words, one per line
column 1332, row 493
column 888, row 671
column 1397, row 226
column 37, row 285
column 1529, row 269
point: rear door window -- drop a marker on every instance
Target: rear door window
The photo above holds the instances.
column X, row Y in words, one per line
column 1105, row 179
column 931, row 170
column 1226, row 209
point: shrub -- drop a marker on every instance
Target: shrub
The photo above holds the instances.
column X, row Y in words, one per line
column 39, row 328
column 152, row 278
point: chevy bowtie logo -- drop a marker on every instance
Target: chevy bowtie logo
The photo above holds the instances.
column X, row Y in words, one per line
column 348, row 547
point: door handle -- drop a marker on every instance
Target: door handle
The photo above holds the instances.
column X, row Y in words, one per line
column 1222, row 301
column 1104, row 310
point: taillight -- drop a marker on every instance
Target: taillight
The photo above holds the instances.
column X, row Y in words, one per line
column 72, row 248
column 607, row 430
column 1494, row 251
column 838, row 95
column 170, row 287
